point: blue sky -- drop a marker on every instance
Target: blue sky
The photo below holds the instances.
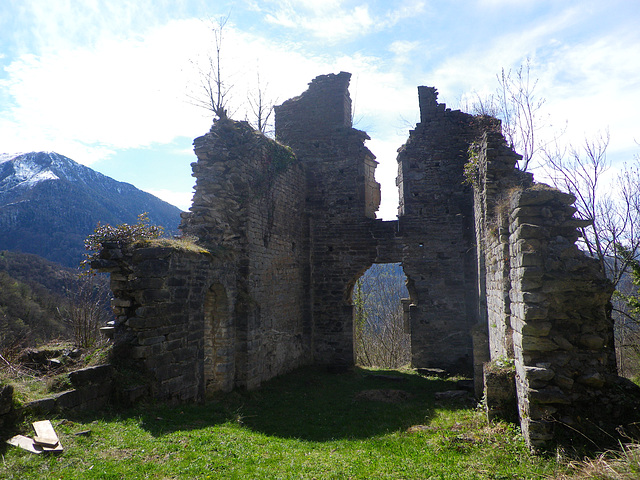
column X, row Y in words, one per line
column 107, row 82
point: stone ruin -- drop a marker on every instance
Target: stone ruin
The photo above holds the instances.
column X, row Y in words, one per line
column 494, row 275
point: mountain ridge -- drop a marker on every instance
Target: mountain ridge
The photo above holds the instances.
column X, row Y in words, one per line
column 49, row 204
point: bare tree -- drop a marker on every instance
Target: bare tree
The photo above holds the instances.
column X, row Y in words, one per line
column 517, row 104
column 87, row 309
column 480, row 104
column 261, row 106
column 614, row 235
column 519, row 109
column 213, row 90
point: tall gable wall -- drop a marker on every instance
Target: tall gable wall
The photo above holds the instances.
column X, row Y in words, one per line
column 437, row 232
column 342, row 197
column 249, row 207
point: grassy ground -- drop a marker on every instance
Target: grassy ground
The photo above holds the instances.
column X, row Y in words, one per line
column 308, row 424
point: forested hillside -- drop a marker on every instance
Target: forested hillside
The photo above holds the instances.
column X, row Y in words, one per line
column 38, row 298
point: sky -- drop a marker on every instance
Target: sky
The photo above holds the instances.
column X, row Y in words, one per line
column 110, row 83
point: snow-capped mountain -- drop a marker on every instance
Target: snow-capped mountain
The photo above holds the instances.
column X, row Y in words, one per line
column 49, row 204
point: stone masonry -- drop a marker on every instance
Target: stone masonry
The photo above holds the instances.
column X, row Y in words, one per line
column 545, row 305
column 286, row 227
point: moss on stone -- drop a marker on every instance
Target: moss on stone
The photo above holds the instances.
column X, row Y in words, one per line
column 185, row 244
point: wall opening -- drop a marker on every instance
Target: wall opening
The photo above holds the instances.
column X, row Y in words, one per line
column 381, row 333
column 219, row 346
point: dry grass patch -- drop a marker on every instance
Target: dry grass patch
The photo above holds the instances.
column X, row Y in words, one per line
column 611, row 465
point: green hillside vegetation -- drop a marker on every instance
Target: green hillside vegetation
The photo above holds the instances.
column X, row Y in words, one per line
column 38, row 298
column 27, row 316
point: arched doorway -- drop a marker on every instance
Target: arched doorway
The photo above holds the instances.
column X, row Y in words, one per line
column 381, row 332
column 219, row 342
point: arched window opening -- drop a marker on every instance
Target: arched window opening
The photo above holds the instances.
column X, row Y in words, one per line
column 381, row 333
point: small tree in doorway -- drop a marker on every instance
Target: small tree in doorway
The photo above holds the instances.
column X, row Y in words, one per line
column 380, row 339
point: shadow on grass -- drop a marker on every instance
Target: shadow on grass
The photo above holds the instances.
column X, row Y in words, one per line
column 310, row 404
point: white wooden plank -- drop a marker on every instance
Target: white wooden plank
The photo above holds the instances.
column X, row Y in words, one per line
column 25, row 443
column 45, row 433
column 47, row 436
column 57, row 449
column 45, row 442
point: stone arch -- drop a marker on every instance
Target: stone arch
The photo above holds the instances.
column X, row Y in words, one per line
column 219, row 342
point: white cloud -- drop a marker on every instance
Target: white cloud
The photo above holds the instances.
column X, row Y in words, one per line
column 334, row 21
column 122, row 94
column 476, row 67
column 182, row 200
column 332, row 26
column 506, row 3
column 87, row 102
column 589, row 80
column 595, row 86
column 403, row 50
column 117, row 89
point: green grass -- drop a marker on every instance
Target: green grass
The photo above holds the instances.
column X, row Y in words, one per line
column 308, row 424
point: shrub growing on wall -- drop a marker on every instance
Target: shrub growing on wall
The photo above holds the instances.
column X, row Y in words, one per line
column 123, row 234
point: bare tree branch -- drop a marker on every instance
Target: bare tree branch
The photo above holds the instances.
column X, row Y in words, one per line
column 213, row 90
column 261, row 106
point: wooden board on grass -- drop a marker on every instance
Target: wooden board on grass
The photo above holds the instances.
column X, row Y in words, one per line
column 25, row 443
column 46, row 436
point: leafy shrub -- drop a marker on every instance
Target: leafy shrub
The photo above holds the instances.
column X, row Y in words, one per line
column 123, row 234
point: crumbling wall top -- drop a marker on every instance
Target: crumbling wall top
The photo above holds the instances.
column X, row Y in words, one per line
column 428, row 101
column 325, row 106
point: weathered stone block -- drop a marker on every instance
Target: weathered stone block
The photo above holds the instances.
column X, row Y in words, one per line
column 540, row 195
column 527, row 231
column 91, row 375
column 6, row 399
column 529, row 311
column 549, row 395
column 152, row 253
column 592, row 341
column 500, row 393
column 538, row 344
column 152, row 340
column 41, row 406
column 563, row 343
column 120, row 302
column 153, row 296
column 532, row 328
column 538, row 377
column 67, row 400
column 563, row 382
column 593, row 379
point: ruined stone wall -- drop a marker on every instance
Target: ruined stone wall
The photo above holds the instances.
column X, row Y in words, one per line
column 546, row 303
column 493, row 269
column 159, row 305
column 437, row 232
column 560, row 316
column 249, row 205
column 342, row 197
column 494, row 181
